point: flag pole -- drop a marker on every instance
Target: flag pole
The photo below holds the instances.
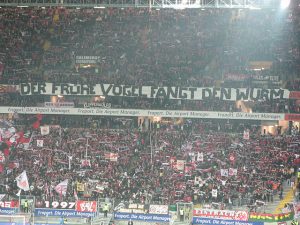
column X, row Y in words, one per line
column 69, row 157
column 151, row 147
column 60, row 136
column 86, row 147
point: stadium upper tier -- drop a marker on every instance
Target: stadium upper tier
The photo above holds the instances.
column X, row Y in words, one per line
column 145, row 47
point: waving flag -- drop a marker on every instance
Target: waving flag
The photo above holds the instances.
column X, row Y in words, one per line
column 22, row 181
column 200, row 157
column 45, row 130
column 62, row 187
column 246, row 135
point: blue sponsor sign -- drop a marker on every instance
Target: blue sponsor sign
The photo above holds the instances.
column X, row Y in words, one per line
column 8, row 211
column 62, row 212
column 142, row 217
column 210, row 221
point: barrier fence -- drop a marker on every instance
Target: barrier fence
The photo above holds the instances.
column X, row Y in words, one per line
column 143, row 214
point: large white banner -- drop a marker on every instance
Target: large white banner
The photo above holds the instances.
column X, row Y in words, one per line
column 191, row 93
column 143, row 112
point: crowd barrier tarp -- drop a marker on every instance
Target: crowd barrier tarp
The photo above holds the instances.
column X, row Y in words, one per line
column 210, row 221
column 55, row 204
column 62, row 213
column 144, row 113
column 221, row 214
column 8, row 211
column 142, row 217
column 86, row 206
column 9, row 204
column 267, row 217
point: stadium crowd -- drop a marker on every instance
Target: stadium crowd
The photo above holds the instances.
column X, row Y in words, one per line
column 155, row 163
column 167, row 47
column 163, row 164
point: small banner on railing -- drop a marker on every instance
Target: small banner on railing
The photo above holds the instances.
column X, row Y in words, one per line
column 86, row 206
column 267, row 217
column 221, row 214
column 159, row 209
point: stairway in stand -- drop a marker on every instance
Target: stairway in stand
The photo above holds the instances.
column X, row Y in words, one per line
column 288, row 197
column 277, row 204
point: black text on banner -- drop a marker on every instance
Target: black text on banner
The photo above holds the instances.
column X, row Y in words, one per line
column 190, row 93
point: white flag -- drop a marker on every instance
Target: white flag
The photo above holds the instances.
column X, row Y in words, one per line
column 39, row 143
column 2, row 196
column 198, row 180
column 232, row 172
column 180, row 164
column 200, row 157
column 214, row 193
column 246, row 135
column 62, row 187
column 22, row 181
column 224, row 172
column 45, row 130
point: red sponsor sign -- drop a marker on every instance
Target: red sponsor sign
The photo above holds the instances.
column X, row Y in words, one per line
column 292, row 117
column 9, row 204
column 294, row 94
column 86, row 206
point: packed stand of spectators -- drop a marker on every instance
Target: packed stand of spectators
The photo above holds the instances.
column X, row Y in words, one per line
column 142, row 46
column 178, row 163
column 277, row 106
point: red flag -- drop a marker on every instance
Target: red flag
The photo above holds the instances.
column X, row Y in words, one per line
column 36, row 124
column 6, row 152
